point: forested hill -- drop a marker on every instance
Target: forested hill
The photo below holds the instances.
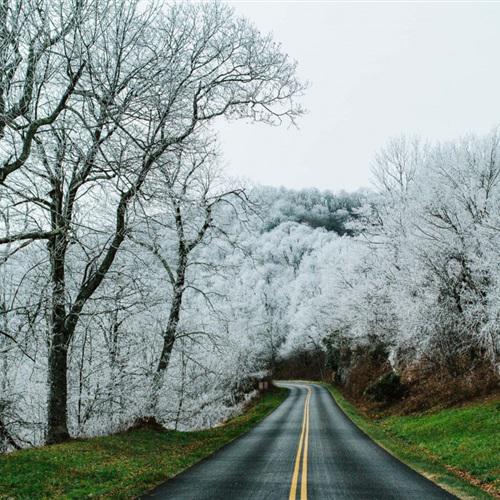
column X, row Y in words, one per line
column 312, row 207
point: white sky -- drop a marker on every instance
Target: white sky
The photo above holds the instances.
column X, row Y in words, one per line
column 376, row 70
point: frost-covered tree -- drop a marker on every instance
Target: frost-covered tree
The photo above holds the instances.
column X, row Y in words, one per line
column 148, row 80
column 185, row 196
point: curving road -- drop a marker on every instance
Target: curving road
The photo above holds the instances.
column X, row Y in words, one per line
column 306, row 449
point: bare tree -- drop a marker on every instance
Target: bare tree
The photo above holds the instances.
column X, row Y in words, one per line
column 40, row 67
column 395, row 166
column 146, row 83
column 187, row 192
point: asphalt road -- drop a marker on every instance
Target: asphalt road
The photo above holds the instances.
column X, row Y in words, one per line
column 306, row 449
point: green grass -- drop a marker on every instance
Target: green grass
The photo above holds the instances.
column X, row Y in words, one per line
column 119, row 466
column 454, row 447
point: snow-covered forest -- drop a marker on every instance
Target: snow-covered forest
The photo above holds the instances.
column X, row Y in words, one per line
column 139, row 280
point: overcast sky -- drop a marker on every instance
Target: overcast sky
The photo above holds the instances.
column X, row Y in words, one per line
column 376, row 70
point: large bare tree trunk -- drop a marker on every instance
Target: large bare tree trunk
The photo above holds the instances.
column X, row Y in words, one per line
column 57, row 429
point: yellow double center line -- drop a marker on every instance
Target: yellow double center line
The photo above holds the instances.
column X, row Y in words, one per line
column 302, row 453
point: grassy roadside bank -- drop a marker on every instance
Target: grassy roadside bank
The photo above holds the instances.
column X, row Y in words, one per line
column 123, row 465
column 457, row 447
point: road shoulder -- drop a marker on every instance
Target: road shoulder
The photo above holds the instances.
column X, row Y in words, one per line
column 416, row 457
column 122, row 465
